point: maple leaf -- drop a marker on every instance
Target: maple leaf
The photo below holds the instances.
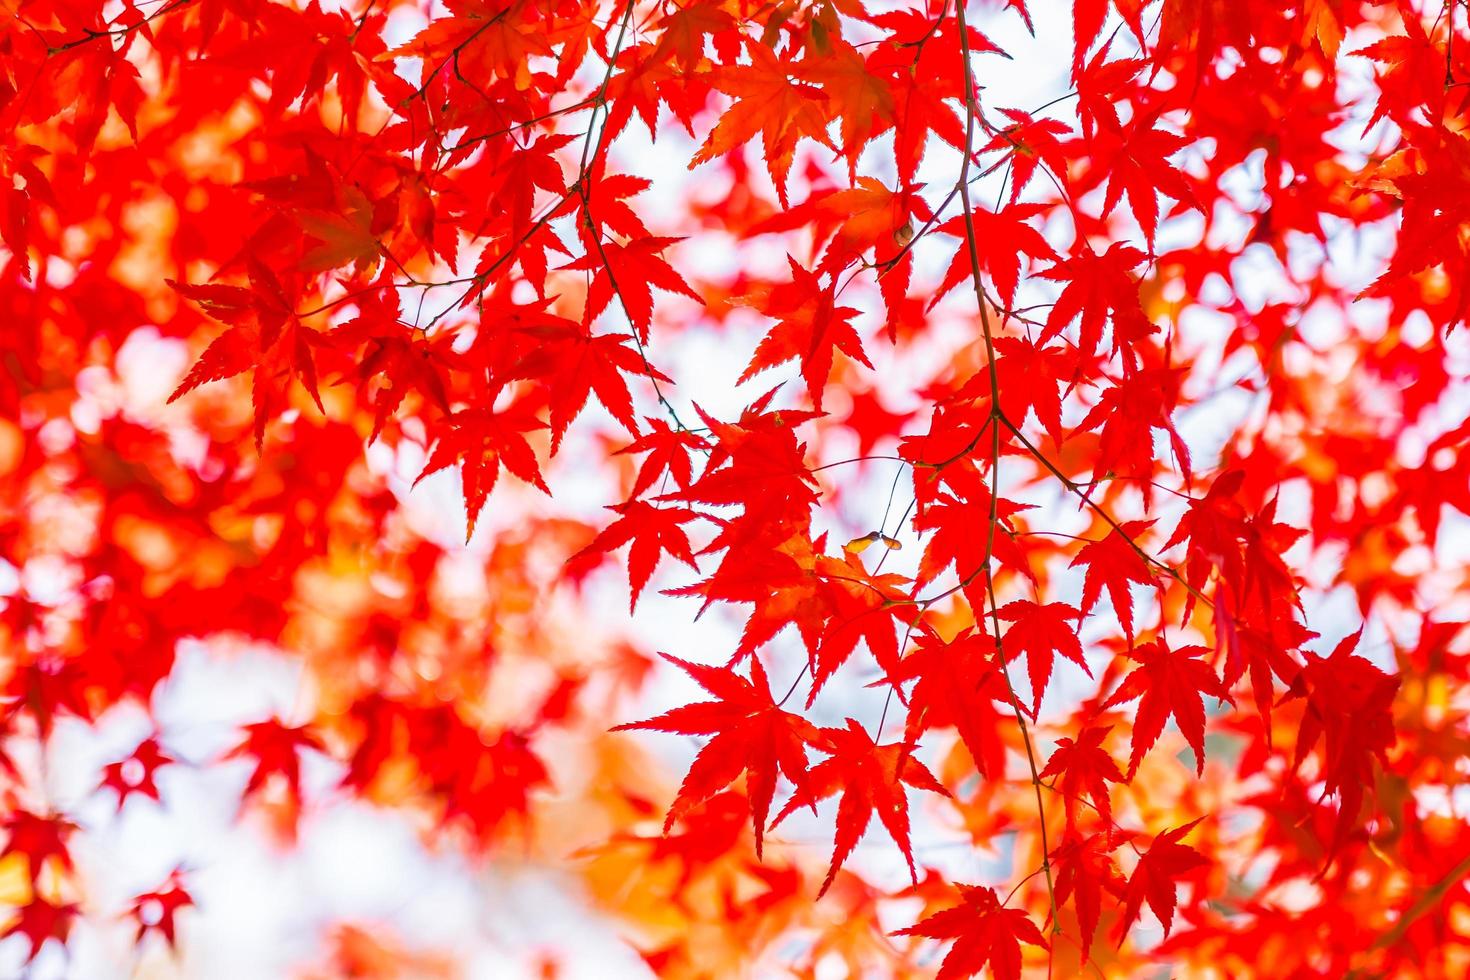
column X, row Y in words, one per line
column 1349, row 708
column 872, row 420
column 944, row 457
column 265, row 338
column 1029, row 142
column 48, row 685
column 862, row 97
column 481, row 41
column 1001, row 238
column 1259, row 651
column 1083, row 765
column 605, row 203
column 1267, row 583
column 1098, row 285
column 1213, row 525
column 1113, row 562
column 958, row 685
column 342, row 235
column 772, row 571
column 984, row 932
column 275, row 747
column 482, row 441
column 536, row 167
column 1128, row 413
column 863, row 606
column 40, row 920
column 1433, row 185
column 1197, row 25
column 769, row 103
column 1140, row 166
column 1414, row 69
column 1085, row 870
column 871, row 777
column 404, row 360
column 1170, row 683
column 40, row 838
column 752, row 734
column 868, row 217
column 1098, row 87
column 583, row 365
column 1044, row 368
column 154, row 911
column 134, row 774
column 920, row 60
column 925, row 114
column 496, row 786
column 756, row 462
column 1155, row 879
column 1321, row 24
column 1040, row 632
column 645, row 82
column 811, row 328
column 960, row 531
column 1087, row 20
column 630, row 271
column 685, row 30
column 654, row 531
column 668, row 452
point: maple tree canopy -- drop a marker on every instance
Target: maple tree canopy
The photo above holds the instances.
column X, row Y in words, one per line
column 847, row 487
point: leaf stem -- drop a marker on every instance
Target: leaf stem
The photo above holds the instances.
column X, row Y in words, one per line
column 995, row 419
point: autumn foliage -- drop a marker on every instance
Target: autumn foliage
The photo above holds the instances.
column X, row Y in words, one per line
column 947, row 487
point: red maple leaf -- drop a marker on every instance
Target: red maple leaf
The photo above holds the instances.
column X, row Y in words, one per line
column 811, row 327
column 40, row 838
column 752, row 734
column 960, row 532
column 1082, row 765
column 1155, row 879
column 275, row 748
column 1350, row 710
column 1041, row 632
column 1001, row 237
column 654, row 531
column 1113, row 562
column 668, row 452
column 871, row 777
column 1098, row 285
column 1213, row 525
column 482, row 441
column 1099, row 87
column 1140, row 166
column 1045, row 369
column 1085, row 870
column 134, row 774
column 1128, row 412
column 958, row 685
column 1028, row 143
column 984, row 932
column 395, row 358
column 265, row 337
column 40, row 920
column 1170, row 682
column 771, row 102
column 630, row 271
column 154, row 911
column 863, row 606
column 581, row 366
column 1087, row 22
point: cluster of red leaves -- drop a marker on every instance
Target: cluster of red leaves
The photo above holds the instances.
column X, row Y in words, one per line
column 418, row 228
